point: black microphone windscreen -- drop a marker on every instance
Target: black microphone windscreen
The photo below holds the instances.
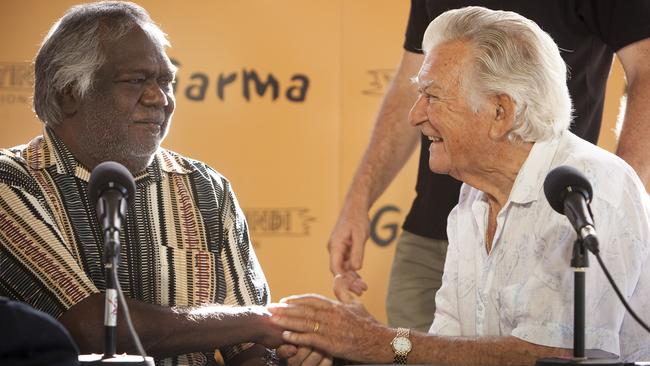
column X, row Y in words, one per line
column 107, row 175
column 559, row 179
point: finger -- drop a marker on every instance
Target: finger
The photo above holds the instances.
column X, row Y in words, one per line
column 294, row 311
column 296, row 324
column 313, row 359
column 306, row 339
column 358, row 286
column 338, row 249
column 342, row 289
column 356, row 251
column 327, row 361
column 336, row 257
column 299, row 357
column 318, row 302
column 286, row 351
column 275, row 305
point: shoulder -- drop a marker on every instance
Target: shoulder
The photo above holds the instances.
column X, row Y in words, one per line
column 14, row 168
column 613, row 180
column 175, row 163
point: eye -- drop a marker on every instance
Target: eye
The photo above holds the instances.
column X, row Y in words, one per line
column 431, row 98
column 136, row 81
column 166, row 83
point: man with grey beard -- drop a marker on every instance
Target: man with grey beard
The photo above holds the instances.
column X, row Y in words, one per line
column 103, row 90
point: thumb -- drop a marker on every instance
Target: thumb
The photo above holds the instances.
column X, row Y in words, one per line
column 343, row 288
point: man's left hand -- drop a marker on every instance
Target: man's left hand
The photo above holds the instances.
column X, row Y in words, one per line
column 343, row 330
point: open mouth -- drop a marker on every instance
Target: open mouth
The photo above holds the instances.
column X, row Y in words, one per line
column 435, row 139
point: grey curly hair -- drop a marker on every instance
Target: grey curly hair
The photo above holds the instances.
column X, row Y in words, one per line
column 71, row 53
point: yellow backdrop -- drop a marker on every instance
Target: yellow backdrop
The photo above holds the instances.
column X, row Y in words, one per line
column 277, row 95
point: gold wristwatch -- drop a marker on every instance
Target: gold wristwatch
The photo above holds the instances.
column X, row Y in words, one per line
column 401, row 345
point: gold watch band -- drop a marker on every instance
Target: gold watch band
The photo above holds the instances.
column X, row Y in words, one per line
column 400, row 358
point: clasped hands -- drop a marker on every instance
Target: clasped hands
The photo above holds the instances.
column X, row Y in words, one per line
column 317, row 329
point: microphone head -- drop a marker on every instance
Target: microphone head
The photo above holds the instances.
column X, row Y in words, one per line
column 110, row 175
column 562, row 180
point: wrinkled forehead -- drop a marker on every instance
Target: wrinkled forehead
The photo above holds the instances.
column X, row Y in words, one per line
column 444, row 65
column 136, row 47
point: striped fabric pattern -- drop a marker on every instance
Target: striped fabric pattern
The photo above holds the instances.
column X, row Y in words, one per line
column 185, row 241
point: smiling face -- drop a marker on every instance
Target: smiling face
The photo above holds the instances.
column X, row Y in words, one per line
column 128, row 112
column 443, row 114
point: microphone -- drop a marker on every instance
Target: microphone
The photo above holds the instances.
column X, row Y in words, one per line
column 110, row 187
column 569, row 193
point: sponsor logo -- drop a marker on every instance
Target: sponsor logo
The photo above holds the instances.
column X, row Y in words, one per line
column 383, row 230
column 248, row 83
column 287, row 222
column 16, row 82
column 378, row 81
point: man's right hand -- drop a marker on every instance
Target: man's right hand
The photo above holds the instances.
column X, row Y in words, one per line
column 347, row 240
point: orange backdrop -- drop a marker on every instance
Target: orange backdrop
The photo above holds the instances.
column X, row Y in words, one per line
column 277, row 95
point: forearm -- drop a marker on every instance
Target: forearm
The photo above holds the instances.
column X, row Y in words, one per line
column 636, row 125
column 636, row 129
column 392, row 141
column 163, row 331
column 498, row 351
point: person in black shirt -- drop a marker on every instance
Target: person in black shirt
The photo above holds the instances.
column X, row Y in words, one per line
column 588, row 33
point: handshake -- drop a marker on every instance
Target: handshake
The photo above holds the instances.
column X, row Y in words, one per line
column 312, row 329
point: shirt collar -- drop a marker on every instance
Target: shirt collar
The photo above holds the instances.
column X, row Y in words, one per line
column 530, row 179
column 48, row 150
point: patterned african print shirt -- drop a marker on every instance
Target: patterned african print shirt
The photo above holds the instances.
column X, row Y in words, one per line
column 185, row 241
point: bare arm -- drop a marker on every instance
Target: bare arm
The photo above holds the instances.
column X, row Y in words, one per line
column 165, row 331
column 391, row 144
column 632, row 144
column 347, row 331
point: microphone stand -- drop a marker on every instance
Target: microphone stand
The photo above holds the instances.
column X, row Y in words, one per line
column 579, row 262
column 111, row 262
column 111, row 259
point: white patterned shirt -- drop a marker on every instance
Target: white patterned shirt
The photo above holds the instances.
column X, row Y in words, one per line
column 524, row 287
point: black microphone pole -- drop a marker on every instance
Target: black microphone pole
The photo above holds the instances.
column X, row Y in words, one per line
column 111, row 263
column 579, row 262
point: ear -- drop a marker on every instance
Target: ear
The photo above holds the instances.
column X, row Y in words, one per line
column 69, row 102
column 503, row 116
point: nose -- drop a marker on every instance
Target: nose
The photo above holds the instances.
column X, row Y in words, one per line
column 418, row 113
column 154, row 95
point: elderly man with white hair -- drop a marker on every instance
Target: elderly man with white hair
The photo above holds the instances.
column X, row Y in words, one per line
column 494, row 102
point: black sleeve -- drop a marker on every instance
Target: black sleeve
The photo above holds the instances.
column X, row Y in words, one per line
column 417, row 24
column 424, row 11
column 618, row 23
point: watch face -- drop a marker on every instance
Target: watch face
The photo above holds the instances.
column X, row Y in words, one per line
column 402, row 344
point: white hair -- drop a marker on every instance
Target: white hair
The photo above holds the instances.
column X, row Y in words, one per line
column 511, row 56
column 71, row 52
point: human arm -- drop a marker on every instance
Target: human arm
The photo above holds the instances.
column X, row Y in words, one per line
column 167, row 331
column 636, row 124
column 391, row 144
column 347, row 331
